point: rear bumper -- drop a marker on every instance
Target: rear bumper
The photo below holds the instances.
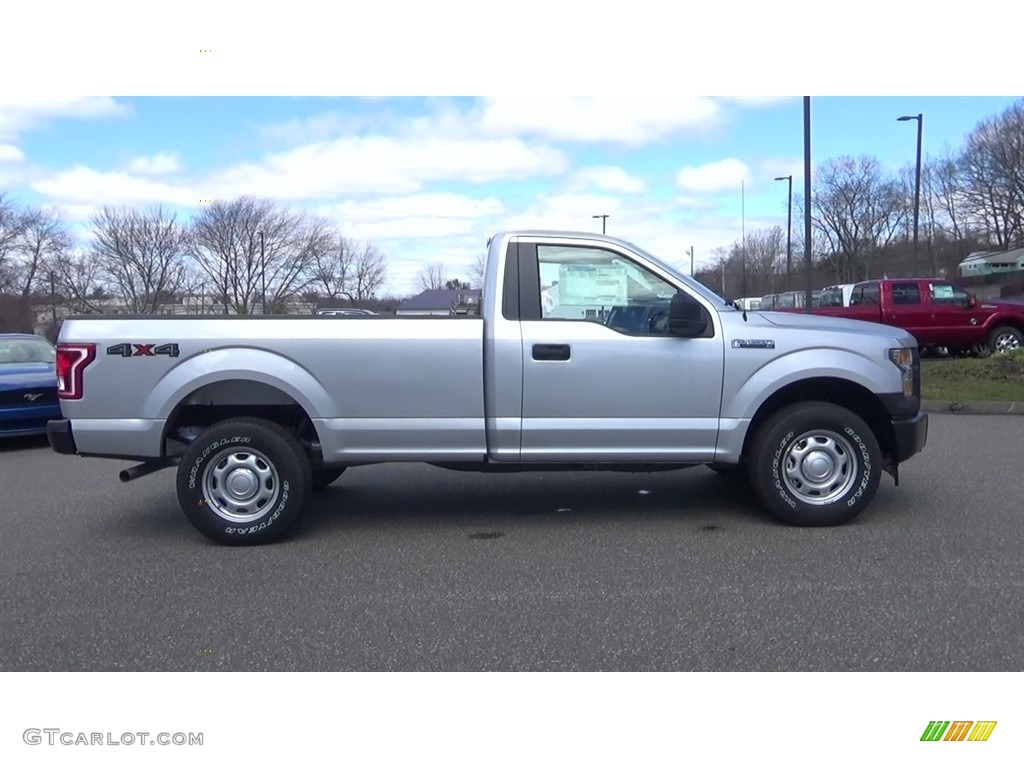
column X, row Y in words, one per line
column 911, row 435
column 58, row 432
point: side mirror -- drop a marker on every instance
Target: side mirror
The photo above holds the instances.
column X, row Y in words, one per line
column 686, row 316
column 972, row 302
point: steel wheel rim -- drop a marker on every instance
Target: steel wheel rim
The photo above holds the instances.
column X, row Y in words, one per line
column 1006, row 342
column 820, row 467
column 240, row 485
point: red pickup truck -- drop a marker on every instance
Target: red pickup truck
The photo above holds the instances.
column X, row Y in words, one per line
column 937, row 312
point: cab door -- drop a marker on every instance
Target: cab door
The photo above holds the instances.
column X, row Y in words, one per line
column 953, row 321
column 906, row 308
column 603, row 379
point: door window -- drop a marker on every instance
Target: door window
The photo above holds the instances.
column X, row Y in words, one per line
column 906, row 293
column 596, row 285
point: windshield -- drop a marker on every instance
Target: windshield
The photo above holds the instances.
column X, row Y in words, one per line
column 694, row 285
column 21, row 350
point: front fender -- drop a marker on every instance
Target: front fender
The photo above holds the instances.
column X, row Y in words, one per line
column 763, row 381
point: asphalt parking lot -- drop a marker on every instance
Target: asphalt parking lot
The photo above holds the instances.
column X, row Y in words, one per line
column 415, row 568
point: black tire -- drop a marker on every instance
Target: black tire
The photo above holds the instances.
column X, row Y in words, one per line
column 324, row 476
column 1005, row 338
column 252, row 452
column 846, row 451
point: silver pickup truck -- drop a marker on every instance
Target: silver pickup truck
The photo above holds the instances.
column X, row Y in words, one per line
column 587, row 353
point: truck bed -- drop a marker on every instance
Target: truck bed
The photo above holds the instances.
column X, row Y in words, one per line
column 382, row 388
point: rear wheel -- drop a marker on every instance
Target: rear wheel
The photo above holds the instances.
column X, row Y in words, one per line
column 815, row 464
column 244, row 481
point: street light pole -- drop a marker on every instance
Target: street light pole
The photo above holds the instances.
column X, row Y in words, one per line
column 808, row 244
column 53, row 303
column 789, row 229
column 603, row 217
column 263, row 274
column 917, row 185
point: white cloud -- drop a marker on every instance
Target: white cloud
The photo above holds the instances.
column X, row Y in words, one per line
column 155, row 165
column 759, row 101
column 11, row 154
column 776, row 166
column 439, row 205
column 713, row 177
column 379, row 164
column 695, row 203
column 21, row 114
column 82, row 185
column 608, row 178
column 626, row 120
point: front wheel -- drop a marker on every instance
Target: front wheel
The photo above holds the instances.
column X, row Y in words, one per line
column 815, row 464
column 244, row 481
column 1005, row 338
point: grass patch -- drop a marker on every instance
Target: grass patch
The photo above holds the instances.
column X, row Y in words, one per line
column 998, row 377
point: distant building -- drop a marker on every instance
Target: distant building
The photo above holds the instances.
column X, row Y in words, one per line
column 992, row 263
column 442, row 302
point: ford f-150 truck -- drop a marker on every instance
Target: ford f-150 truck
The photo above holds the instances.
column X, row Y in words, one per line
column 936, row 312
column 587, row 353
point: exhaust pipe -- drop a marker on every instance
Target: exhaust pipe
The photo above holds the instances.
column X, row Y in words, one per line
column 141, row 470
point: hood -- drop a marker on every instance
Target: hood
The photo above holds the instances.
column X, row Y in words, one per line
column 827, row 324
column 27, row 376
column 1000, row 305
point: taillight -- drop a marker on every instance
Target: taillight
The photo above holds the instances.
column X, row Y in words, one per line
column 71, row 362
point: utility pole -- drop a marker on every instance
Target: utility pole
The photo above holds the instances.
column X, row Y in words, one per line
column 263, row 273
column 691, row 261
column 789, row 230
column 808, row 308
column 53, row 303
column 917, row 186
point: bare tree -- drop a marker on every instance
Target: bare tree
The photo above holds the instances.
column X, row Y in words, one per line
column 79, row 282
column 432, row 277
column 991, row 171
column 332, row 269
column 370, row 272
column 246, row 245
column 13, row 220
column 476, row 271
column 29, row 239
column 857, row 211
column 140, row 253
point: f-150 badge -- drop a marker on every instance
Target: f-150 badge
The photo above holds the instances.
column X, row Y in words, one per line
column 753, row 344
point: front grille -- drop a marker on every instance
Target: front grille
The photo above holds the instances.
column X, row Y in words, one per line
column 19, row 397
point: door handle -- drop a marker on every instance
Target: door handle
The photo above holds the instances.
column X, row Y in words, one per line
column 550, row 351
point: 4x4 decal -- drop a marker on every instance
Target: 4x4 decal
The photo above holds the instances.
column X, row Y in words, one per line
column 143, row 350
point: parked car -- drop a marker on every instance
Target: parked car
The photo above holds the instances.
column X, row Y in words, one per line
column 937, row 312
column 650, row 371
column 28, row 384
column 836, row 295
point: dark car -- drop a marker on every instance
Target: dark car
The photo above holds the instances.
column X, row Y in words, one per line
column 28, row 384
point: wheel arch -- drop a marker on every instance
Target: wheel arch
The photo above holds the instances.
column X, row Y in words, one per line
column 841, row 392
column 223, row 399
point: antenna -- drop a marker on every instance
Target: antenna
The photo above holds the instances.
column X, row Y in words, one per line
column 743, row 249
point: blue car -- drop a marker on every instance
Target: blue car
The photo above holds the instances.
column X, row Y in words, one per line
column 28, row 384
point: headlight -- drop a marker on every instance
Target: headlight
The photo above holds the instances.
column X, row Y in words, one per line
column 903, row 358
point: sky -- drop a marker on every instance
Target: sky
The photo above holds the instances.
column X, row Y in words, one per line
column 431, row 178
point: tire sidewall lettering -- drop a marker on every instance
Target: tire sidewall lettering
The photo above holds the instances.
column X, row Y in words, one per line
column 285, row 491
